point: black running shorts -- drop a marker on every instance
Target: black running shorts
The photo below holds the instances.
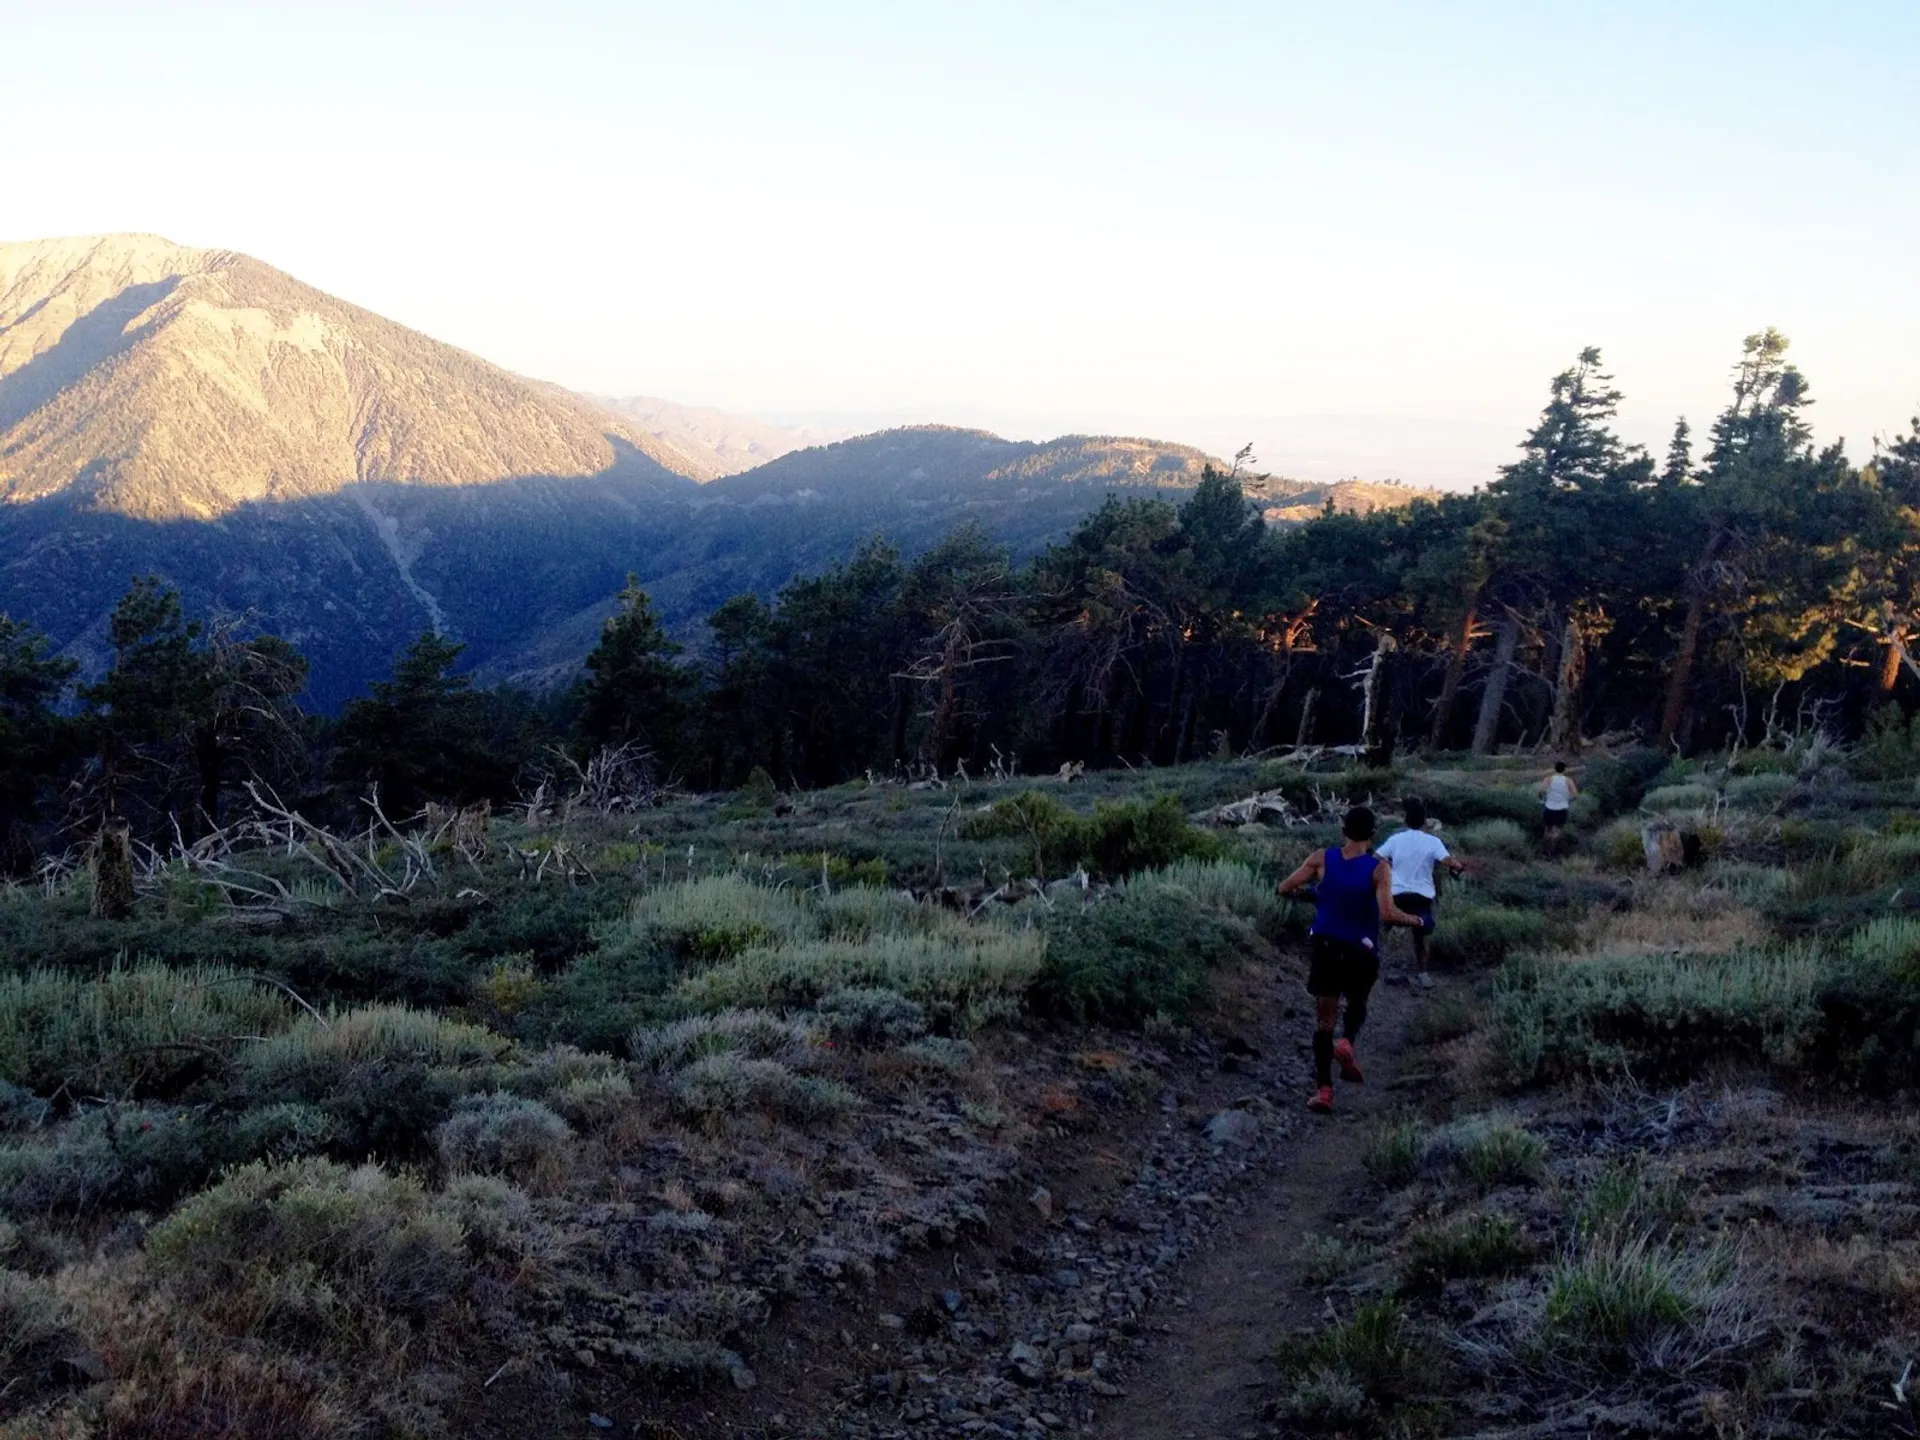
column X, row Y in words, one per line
column 1553, row 819
column 1340, row 967
column 1415, row 904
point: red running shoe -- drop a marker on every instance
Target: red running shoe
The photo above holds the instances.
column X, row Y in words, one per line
column 1349, row 1066
column 1322, row 1101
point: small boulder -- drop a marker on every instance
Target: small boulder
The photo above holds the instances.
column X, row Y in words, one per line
column 1025, row 1363
column 1238, row 1128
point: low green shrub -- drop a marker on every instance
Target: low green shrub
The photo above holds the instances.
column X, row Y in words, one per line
column 1562, row 894
column 36, row 1329
column 1765, row 761
column 495, row 1218
column 501, row 1134
column 954, row 966
column 1617, row 783
column 1803, row 839
column 1889, row 749
column 376, row 1035
column 862, row 912
column 760, row 792
column 110, row 1156
column 750, row 1034
column 1458, row 805
column 1759, row 792
column 1322, row 1399
column 136, row 1029
column 1117, row 839
column 712, row 919
column 312, row 1254
column 870, row 1018
column 1133, row 835
column 1689, row 795
column 1492, row 837
column 730, row 1085
column 1051, row 833
column 551, row 925
column 1870, row 1005
column 1145, row 952
column 1392, row 1154
column 288, row 1130
column 939, row 1054
column 1622, row 1199
column 1227, row 886
column 507, row 989
column 1367, row 784
column 1619, row 845
column 1478, row 934
column 1622, row 1299
column 1487, row 1151
column 386, row 1075
column 1328, row 1259
column 1369, row 1356
column 1658, row 1016
column 1469, row 1246
column 1446, row 1016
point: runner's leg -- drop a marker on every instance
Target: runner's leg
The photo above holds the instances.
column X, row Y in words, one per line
column 1361, row 986
column 1327, row 1009
column 1417, row 905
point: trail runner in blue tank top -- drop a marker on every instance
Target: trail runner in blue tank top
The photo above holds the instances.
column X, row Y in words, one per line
column 1353, row 896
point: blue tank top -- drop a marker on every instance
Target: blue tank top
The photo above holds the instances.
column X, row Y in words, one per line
column 1348, row 909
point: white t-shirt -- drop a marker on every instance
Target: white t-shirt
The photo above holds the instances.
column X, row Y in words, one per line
column 1413, row 854
column 1559, row 796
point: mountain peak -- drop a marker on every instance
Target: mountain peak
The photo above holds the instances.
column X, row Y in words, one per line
column 165, row 382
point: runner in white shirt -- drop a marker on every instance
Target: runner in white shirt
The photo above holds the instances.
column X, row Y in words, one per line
column 1413, row 853
column 1557, row 793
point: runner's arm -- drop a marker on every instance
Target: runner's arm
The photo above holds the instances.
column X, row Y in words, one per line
column 1391, row 913
column 1308, row 874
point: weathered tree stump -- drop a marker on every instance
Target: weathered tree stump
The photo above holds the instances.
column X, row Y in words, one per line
column 1664, row 846
column 113, row 871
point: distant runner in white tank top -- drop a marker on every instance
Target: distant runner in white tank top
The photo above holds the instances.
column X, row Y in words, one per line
column 1557, row 792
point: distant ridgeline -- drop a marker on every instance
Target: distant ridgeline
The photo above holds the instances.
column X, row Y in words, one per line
column 522, row 571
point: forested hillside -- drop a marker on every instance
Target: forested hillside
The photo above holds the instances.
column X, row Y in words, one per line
column 1758, row 585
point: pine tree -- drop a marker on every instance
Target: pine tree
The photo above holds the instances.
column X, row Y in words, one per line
column 634, row 693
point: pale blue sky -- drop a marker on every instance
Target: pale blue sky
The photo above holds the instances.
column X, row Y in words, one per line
column 1362, row 236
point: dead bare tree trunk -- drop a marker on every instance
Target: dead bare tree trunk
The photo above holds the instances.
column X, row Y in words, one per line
column 1450, row 687
column 1375, row 738
column 1563, row 730
column 1272, row 699
column 1305, row 733
column 957, row 640
column 1487, row 728
column 113, row 871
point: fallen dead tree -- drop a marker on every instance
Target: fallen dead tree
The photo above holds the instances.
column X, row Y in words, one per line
column 1276, row 807
column 617, row 780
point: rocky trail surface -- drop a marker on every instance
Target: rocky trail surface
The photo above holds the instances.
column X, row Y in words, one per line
column 1137, row 1288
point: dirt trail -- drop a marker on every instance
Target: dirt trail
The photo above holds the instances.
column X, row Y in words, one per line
column 1205, row 1377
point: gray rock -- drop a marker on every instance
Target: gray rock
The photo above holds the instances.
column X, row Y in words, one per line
column 1025, row 1362
column 1238, row 1128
